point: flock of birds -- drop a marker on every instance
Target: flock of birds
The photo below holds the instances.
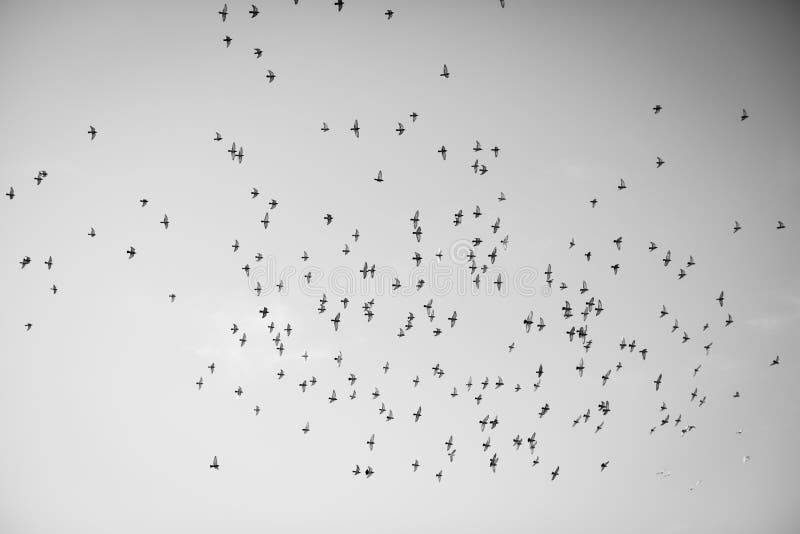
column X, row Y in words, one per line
column 575, row 322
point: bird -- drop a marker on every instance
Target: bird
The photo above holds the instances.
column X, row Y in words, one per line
column 554, row 474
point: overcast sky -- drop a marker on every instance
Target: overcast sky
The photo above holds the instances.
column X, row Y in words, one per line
column 104, row 429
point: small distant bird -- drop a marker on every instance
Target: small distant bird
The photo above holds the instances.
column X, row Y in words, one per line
column 554, row 474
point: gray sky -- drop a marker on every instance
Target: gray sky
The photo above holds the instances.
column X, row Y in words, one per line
column 103, row 427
